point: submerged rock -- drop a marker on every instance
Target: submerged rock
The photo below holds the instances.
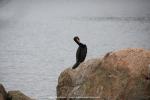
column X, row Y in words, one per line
column 119, row 75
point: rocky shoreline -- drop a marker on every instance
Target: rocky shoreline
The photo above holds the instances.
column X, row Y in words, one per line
column 12, row 95
column 119, row 75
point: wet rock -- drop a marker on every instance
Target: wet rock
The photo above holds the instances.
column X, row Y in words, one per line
column 119, row 75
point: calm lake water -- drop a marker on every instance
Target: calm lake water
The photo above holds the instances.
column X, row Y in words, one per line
column 36, row 37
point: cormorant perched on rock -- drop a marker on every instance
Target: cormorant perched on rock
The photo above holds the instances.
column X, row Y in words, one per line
column 81, row 52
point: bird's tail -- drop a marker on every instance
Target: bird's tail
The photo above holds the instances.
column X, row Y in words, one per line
column 76, row 65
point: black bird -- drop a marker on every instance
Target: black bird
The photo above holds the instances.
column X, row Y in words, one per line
column 81, row 52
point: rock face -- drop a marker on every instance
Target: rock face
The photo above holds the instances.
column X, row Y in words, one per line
column 119, row 75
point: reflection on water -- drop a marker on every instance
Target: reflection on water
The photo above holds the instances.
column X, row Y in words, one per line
column 36, row 38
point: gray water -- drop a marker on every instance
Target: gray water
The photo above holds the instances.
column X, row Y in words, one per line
column 36, row 37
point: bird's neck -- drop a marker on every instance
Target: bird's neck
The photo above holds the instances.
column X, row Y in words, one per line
column 77, row 42
column 81, row 44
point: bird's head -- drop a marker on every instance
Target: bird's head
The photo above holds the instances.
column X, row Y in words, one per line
column 76, row 39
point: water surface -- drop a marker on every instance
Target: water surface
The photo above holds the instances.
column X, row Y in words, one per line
column 36, row 37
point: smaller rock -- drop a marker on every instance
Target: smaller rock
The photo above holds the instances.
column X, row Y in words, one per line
column 17, row 95
column 3, row 93
column 1, row 97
